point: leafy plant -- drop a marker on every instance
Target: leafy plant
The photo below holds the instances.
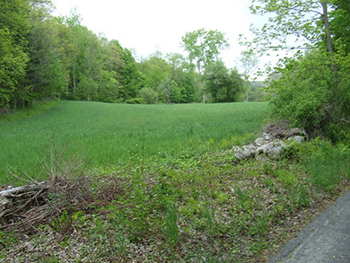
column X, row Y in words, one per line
column 171, row 228
column 63, row 225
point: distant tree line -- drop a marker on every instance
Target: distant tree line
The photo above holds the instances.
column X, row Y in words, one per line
column 42, row 56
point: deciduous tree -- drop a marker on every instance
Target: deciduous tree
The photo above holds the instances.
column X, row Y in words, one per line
column 203, row 47
column 14, row 29
column 313, row 89
column 224, row 85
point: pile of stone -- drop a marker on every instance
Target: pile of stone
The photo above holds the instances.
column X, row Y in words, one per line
column 271, row 144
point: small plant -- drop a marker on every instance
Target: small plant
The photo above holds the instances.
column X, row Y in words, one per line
column 209, row 214
column 259, row 226
column 243, row 198
column 171, row 229
column 79, row 218
column 63, row 225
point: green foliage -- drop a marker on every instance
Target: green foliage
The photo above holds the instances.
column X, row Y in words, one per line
column 327, row 165
column 311, row 87
column 14, row 28
column 63, row 224
column 317, row 101
column 157, row 71
column 149, row 95
column 339, row 14
column 47, row 73
column 297, row 18
column 203, row 47
column 13, row 60
column 187, row 88
column 223, row 84
column 131, row 77
column 136, row 101
column 171, row 228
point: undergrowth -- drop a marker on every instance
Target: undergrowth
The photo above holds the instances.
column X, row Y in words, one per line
column 190, row 207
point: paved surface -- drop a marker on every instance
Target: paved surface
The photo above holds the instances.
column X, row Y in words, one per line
column 325, row 240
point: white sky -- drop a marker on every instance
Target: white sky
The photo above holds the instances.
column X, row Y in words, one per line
column 150, row 25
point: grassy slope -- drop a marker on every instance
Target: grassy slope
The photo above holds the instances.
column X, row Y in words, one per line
column 104, row 134
column 192, row 206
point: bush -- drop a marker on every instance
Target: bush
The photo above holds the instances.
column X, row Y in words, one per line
column 311, row 94
column 149, row 95
column 136, row 101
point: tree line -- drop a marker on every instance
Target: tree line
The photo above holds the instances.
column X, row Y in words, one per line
column 42, row 56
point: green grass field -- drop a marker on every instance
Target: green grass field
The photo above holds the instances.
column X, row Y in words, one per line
column 166, row 188
column 106, row 134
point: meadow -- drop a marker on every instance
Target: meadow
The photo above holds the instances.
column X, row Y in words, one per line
column 104, row 134
column 158, row 183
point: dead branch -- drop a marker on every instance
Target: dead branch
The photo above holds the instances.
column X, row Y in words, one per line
column 22, row 189
column 24, row 208
column 346, row 121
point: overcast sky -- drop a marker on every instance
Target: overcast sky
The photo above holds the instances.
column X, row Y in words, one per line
column 150, row 25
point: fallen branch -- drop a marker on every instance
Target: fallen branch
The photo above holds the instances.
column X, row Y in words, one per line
column 346, row 121
column 24, row 208
column 22, row 189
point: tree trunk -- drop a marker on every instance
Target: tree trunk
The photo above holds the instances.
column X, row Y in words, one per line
column 326, row 25
column 74, row 78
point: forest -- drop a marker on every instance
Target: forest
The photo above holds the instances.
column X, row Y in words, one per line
column 43, row 57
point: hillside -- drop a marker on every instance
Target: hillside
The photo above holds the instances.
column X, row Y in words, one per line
column 103, row 134
column 175, row 193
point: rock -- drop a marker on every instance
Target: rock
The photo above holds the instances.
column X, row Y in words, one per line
column 295, row 132
column 245, row 152
column 273, row 149
column 262, row 149
column 271, row 143
column 298, row 139
column 275, row 152
column 267, row 136
column 4, row 202
column 260, row 141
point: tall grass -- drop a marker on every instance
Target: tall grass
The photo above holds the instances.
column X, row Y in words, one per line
column 328, row 164
column 107, row 134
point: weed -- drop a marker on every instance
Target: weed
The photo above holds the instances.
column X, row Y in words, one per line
column 243, row 198
column 268, row 169
column 171, row 228
column 259, row 226
column 63, row 225
column 209, row 214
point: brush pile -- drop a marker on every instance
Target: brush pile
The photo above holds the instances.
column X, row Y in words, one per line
column 23, row 209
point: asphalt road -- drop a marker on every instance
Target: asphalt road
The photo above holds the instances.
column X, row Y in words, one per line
column 325, row 240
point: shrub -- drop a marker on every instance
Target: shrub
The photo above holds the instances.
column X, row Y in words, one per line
column 136, row 101
column 311, row 94
column 149, row 95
